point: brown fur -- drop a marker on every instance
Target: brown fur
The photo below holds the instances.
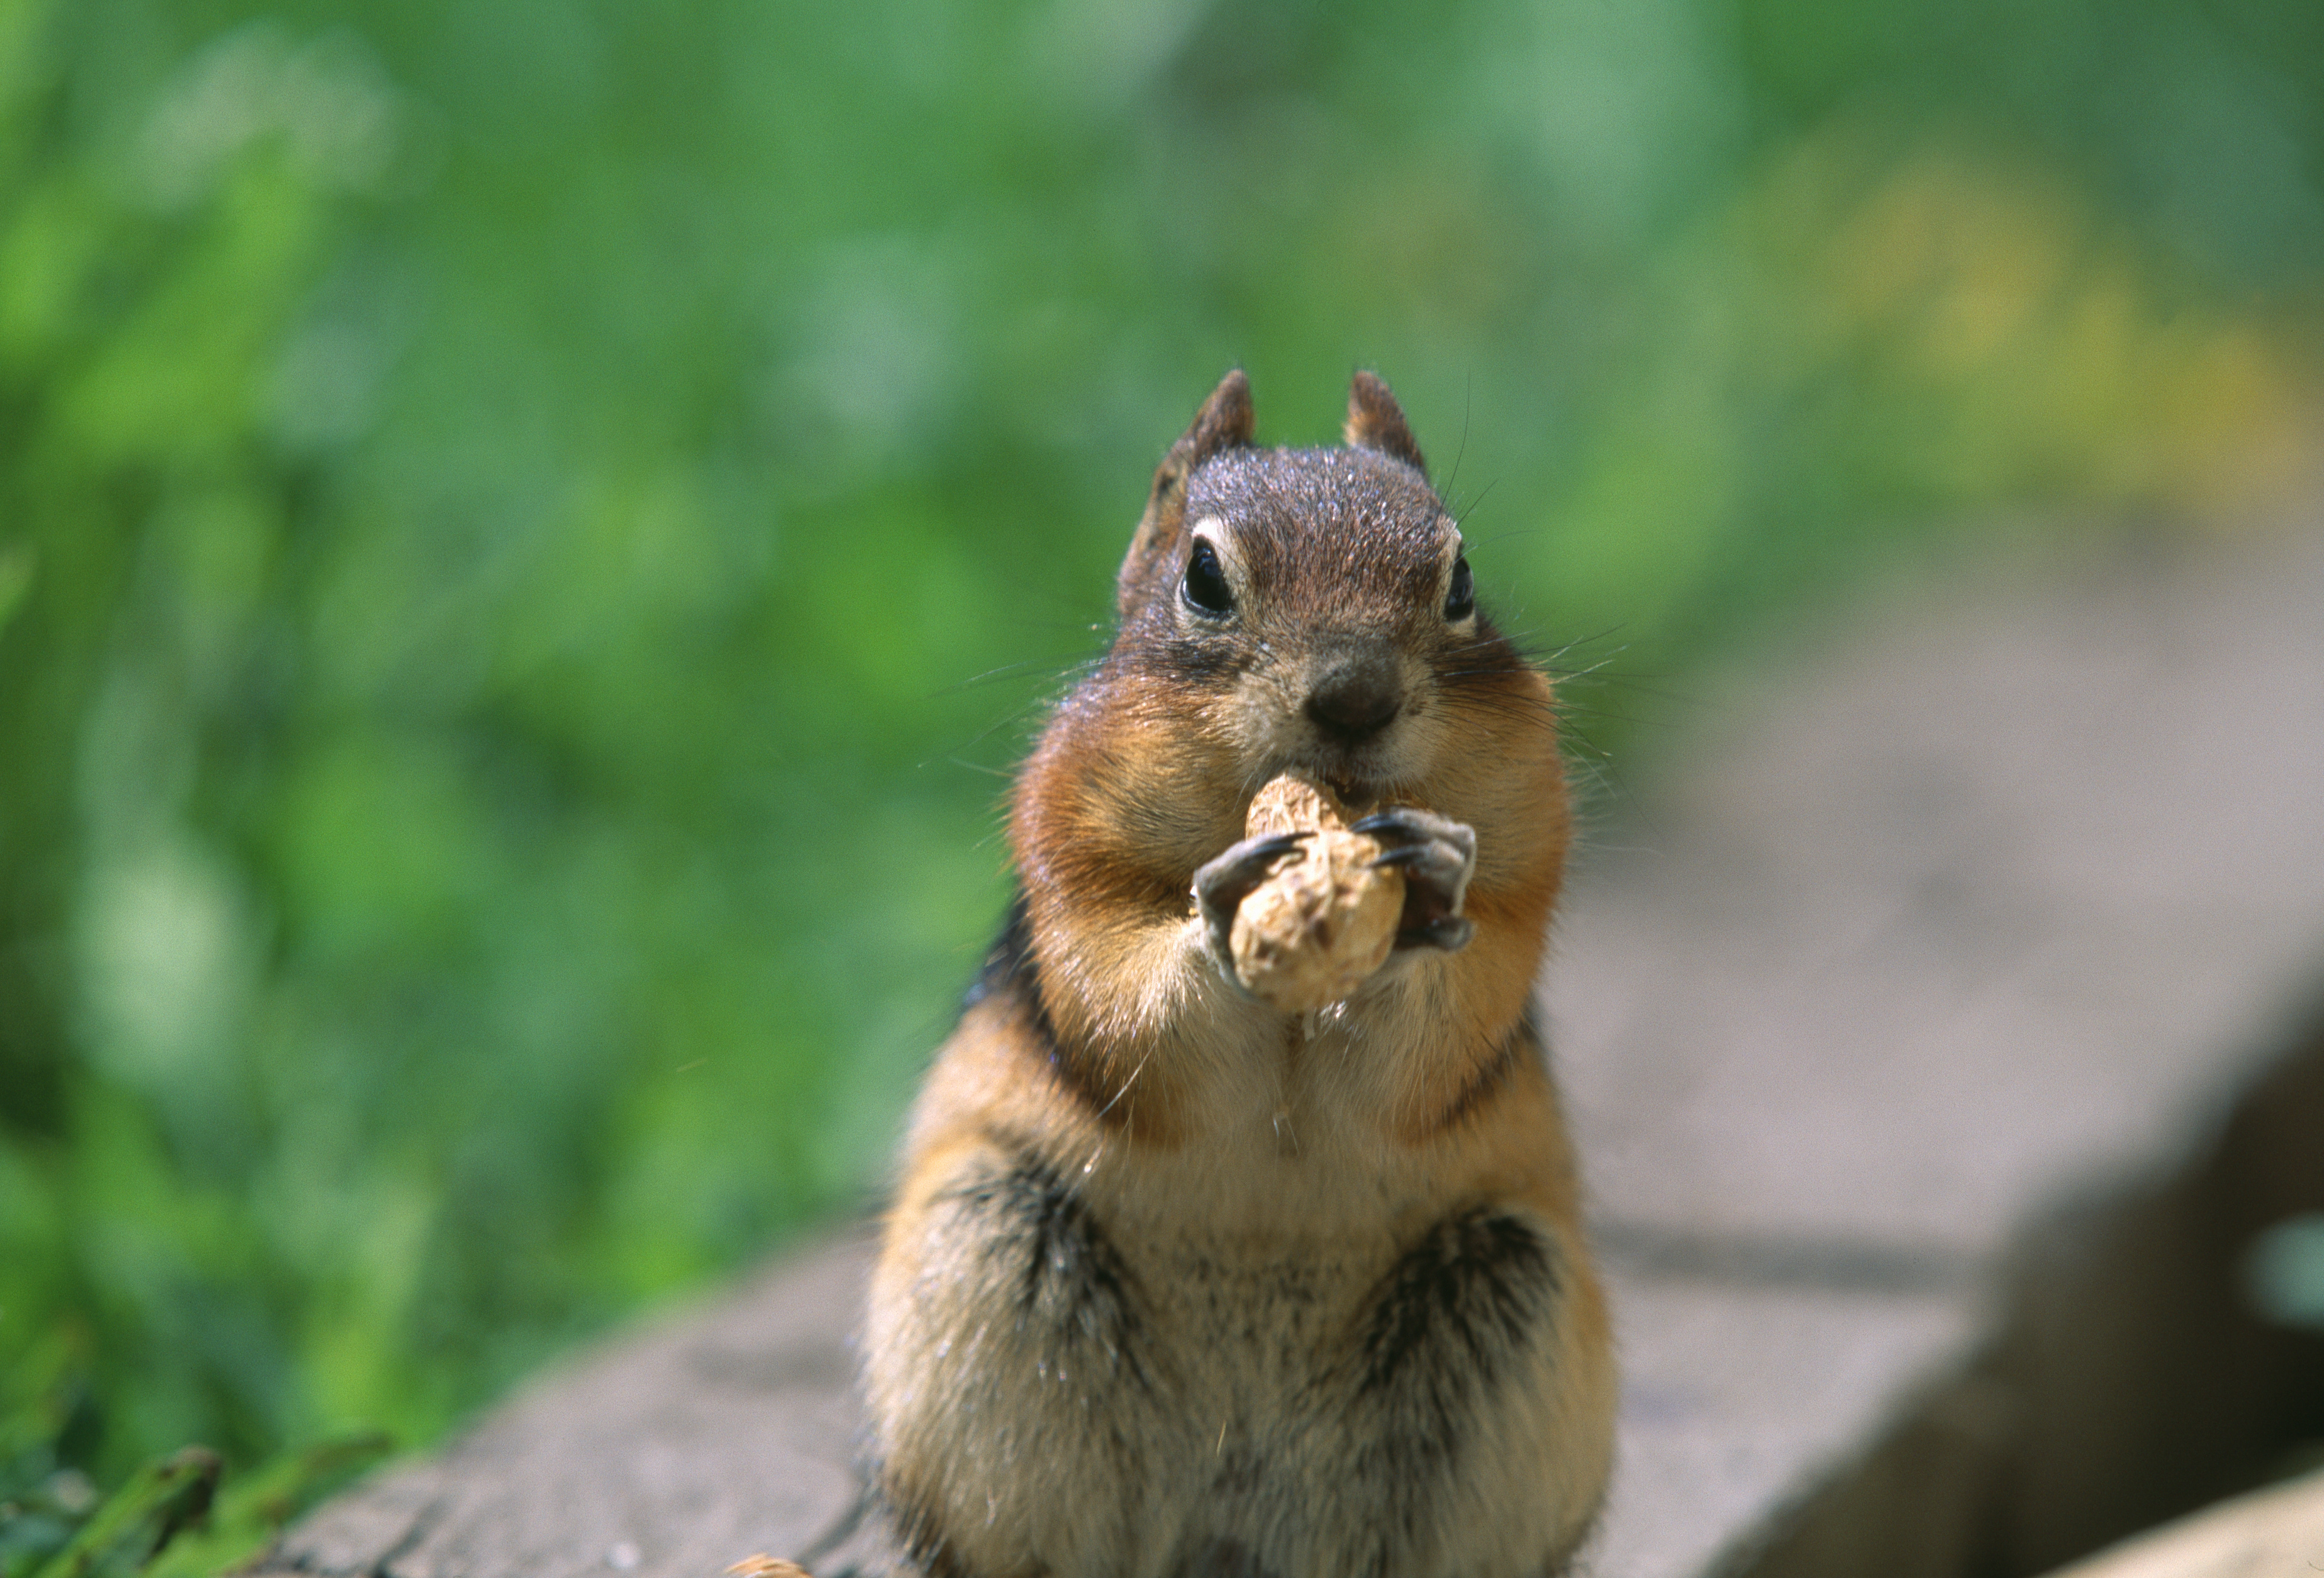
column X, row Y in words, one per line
column 1178, row 1285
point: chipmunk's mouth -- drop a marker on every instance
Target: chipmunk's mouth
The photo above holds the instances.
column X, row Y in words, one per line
column 1359, row 784
column 1357, row 791
column 1391, row 767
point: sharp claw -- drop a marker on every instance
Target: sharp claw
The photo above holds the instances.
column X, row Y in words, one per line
column 1380, row 822
column 1410, row 855
column 1247, row 868
column 1233, row 874
column 1276, row 844
column 1221, row 887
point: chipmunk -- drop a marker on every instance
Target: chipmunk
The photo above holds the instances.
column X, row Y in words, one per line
column 1178, row 1285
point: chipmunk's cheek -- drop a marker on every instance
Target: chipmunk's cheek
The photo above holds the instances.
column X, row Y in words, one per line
column 1415, row 749
column 1262, row 719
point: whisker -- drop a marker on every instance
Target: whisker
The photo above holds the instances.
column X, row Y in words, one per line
column 1468, row 396
column 1045, row 665
column 1126, row 1083
column 1462, row 518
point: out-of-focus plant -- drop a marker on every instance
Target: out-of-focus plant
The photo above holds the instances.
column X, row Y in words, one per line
column 148, row 275
column 170, row 1517
column 1878, row 336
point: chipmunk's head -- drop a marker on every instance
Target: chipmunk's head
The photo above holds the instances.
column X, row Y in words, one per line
column 1311, row 609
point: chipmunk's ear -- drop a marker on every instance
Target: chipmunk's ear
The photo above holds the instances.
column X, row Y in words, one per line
column 1376, row 422
column 1223, row 423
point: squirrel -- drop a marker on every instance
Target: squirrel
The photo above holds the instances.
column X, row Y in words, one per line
column 1176, row 1284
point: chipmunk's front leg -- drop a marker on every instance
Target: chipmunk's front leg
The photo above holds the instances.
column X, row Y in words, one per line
column 1437, row 856
column 1221, row 885
column 1013, row 1371
column 1459, row 1380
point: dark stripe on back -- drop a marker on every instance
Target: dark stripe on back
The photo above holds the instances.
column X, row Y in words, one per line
column 1492, row 1076
column 1013, row 975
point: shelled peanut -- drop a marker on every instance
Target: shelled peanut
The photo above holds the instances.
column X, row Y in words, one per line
column 1325, row 920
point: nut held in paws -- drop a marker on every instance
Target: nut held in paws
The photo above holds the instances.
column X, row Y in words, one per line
column 1324, row 919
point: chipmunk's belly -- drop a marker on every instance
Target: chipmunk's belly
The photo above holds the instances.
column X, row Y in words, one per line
column 1324, row 1407
column 1071, row 1391
column 1258, row 1343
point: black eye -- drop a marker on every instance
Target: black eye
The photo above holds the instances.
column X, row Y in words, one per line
column 1206, row 584
column 1461, row 599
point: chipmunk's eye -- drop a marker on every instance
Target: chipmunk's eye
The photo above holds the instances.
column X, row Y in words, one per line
column 1461, row 600
column 1206, row 584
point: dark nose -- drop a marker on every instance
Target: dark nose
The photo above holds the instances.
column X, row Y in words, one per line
column 1356, row 698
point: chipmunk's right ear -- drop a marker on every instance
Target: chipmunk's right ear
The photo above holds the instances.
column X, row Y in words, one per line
column 1376, row 422
column 1223, row 423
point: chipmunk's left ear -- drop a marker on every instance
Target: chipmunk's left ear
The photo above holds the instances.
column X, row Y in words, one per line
column 1376, row 422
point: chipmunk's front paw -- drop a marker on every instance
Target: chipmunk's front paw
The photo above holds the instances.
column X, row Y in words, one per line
column 1222, row 886
column 1437, row 856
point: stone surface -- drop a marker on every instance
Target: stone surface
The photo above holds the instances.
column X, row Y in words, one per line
column 1950, row 915
column 715, row 1434
column 2277, row 1533
column 1734, row 1392
column 1966, row 907
column 1956, row 914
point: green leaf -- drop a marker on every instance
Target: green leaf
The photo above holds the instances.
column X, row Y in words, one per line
column 139, row 1518
column 253, row 1508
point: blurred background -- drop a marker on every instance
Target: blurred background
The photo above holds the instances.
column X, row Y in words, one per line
column 532, row 533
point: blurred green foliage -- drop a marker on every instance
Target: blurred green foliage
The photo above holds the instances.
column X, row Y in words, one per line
column 529, row 532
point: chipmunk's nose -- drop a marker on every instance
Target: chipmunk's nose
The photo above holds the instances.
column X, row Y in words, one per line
column 1356, row 697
